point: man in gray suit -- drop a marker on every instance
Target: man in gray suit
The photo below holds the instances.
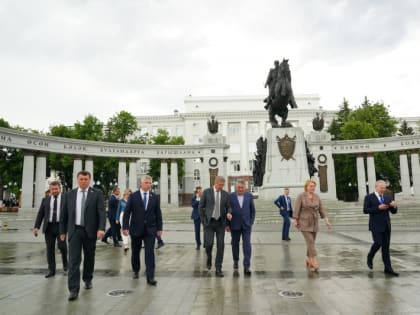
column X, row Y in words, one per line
column 214, row 211
column 83, row 220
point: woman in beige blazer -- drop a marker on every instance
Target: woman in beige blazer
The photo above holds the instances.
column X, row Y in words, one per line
column 307, row 206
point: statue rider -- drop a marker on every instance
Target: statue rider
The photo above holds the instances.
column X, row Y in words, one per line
column 271, row 82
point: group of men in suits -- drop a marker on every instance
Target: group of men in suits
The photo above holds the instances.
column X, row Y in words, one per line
column 79, row 217
column 220, row 212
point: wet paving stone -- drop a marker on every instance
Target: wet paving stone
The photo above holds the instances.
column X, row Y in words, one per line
column 343, row 285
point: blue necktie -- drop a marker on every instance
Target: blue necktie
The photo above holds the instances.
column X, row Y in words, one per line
column 144, row 200
column 382, row 199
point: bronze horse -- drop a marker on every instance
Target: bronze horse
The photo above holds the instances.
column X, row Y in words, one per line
column 282, row 96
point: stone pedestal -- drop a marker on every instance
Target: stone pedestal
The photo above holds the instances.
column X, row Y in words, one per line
column 280, row 170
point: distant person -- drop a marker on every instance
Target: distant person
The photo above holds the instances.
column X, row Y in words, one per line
column 214, row 211
column 120, row 214
column 307, row 207
column 195, row 215
column 49, row 212
column 83, row 221
column 143, row 221
column 284, row 203
column 378, row 206
column 113, row 230
column 243, row 217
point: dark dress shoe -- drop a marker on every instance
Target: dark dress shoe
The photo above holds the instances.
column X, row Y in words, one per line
column 88, row 285
column 117, row 245
column 197, row 247
column 288, row 239
column 369, row 262
column 160, row 245
column 104, row 241
column 235, row 265
column 135, row 275
column 50, row 274
column 208, row 263
column 126, row 250
column 73, row 296
column 65, row 266
column 151, row 282
column 219, row 273
column 391, row 273
column 247, row 272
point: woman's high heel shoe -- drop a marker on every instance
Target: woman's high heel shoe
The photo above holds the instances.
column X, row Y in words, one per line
column 308, row 263
column 315, row 265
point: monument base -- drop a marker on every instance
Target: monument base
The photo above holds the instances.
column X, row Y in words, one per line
column 286, row 162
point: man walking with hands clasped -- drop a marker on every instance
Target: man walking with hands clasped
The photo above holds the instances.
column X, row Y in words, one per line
column 243, row 217
column 143, row 221
column 378, row 207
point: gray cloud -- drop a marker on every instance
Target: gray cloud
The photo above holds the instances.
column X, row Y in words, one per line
column 146, row 55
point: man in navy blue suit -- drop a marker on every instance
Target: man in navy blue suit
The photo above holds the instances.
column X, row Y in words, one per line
column 284, row 203
column 143, row 208
column 113, row 229
column 243, row 217
column 378, row 207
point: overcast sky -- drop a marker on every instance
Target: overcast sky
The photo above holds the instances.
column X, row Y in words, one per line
column 61, row 60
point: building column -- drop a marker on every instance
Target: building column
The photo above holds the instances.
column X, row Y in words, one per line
column 244, row 149
column 205, row 173
column 89, row 168
column 28, row 180
column 361, row 178
column 40, row 179
column 224, row 129
column 415, row 172
column 405, row 175
column 262, row 128
column 371, row 172
column 122, row 175
column 77, row 167
column 174, row 183
column 132, row 175
column 163, row 182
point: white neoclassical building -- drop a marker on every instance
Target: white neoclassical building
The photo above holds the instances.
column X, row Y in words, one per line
column 242, row 120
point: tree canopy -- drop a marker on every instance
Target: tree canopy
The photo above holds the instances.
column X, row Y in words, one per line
column 369, row 120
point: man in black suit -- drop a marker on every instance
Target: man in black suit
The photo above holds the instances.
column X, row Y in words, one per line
column 214, row 211
column 49, row 212
column 113, row 229
column 378, row 207
column 143, row 221
column 83, row 220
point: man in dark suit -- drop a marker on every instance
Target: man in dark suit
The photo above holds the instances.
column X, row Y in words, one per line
column 284, row 203
column 143, row 221
column 378, row 207
column 214, row 211
column 243, row 217
column 83, row 220
column 113, row 229
column 49, row 212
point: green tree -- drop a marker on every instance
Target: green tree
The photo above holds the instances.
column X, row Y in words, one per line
column 120, row 126
column 369, row 120
column 338, row 122
column 163, row 137
column 4, row 123
column 90, row 129
column 11, row 165
column 405, row 130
